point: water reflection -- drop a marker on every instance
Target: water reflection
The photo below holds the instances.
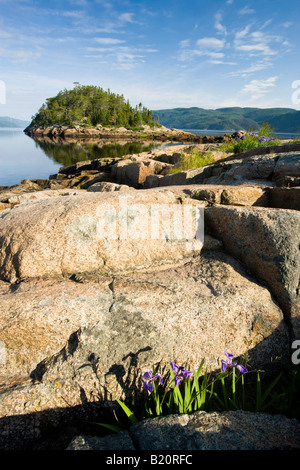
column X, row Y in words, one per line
column 70, row 153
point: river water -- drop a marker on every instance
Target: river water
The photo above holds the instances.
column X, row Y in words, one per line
column 21, row 157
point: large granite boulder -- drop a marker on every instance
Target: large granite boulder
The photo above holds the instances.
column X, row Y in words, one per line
column 146, row 316
column 267, row 242
column 233, row 430
column 66, row 339
column 98, row 233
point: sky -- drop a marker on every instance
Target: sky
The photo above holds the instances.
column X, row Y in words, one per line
column 165, row 54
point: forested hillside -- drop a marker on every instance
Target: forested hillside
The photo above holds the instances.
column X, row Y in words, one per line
column 90, row 106
column 281, row 119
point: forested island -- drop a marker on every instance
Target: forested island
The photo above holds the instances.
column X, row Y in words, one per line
column 89, row 112
column 91, row 106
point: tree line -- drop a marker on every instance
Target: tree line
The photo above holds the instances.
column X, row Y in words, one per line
column 90, row 105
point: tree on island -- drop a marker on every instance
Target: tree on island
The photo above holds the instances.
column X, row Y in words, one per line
column 89, row 106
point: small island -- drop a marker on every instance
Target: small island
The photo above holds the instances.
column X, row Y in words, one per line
column 89, row 112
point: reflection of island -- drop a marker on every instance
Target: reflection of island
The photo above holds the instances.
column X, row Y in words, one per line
column 70, row 153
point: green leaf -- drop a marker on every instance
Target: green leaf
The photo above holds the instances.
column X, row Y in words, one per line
column 270, row 388
column 258, row 393
column 128, row 412
column 111, row 427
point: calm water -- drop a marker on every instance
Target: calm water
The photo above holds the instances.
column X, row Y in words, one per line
column 21, row 157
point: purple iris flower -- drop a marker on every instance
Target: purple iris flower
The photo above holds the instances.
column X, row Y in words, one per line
column 231, row 364
column 180, row 373
column 149, row 377
column 265, row 139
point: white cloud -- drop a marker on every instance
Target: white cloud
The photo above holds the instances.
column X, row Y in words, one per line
column 258, row 88
column 77, row 14
column 243, row 33
column 256, row 43
column 126, row 18
column 255, row 49
column 119, row 57
column 255, row 67
column 210, row 43
column 246, row 11
column 209, row 47
column 108, row 41
column 20, row 55
column 223, row 62
column 266, row 23
column 218, row 25
column 184, row 43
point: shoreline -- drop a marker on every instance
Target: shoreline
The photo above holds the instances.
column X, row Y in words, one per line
column 79, row 133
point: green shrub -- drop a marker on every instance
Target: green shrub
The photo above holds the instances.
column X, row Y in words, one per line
column 194, row 159
column 263, row 137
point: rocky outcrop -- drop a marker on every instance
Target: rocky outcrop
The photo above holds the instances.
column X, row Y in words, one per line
column 98, row 233
column 147, row 312
column 234, row 430
column 66, row 339
column 65, row 134
column 264, row 170
column 135, row 173
column 267, row 241
column 106, row 187
column 85, row 304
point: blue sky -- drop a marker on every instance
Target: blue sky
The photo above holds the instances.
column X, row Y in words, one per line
column 165, row 54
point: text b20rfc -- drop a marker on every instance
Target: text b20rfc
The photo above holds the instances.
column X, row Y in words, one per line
column 169, row 459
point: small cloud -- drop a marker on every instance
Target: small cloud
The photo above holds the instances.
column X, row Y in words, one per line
column 223, row 62
column 184, row 43
column 218, row 25
column 109, row 41
column 19, row 55
column 256, row 67
column 258, row 88
column 77, row 14
column 287, row 24
column 210, row 47
column 210, row 43
column 266, row 23
column 246, row 11
column 243, row 33
column 126, row 18
column 229, row 2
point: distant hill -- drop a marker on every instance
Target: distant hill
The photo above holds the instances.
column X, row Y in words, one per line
column 281, row 119
column 11, row 122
